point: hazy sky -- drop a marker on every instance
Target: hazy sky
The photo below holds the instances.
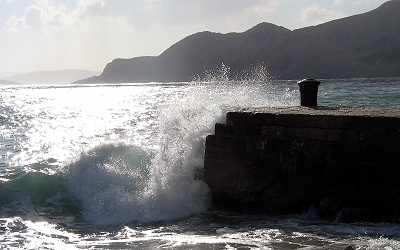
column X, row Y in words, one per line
column 40, row 35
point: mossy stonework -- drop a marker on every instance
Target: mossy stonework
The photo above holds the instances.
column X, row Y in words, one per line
column 343, row 161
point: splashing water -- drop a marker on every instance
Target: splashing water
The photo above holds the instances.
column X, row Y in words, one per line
column 120, row 184
column 134, row 186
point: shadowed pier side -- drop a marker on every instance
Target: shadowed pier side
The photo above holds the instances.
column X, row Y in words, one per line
column 343, row 161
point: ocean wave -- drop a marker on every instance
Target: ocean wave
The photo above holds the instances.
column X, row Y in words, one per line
column 116, row 184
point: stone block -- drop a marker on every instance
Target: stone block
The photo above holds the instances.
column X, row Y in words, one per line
column 255, row 143
column 395, row 138
column 292, row 133
column 336, row 122
column 365, row 136
column 239, row 143
column 261, row 160
column 248, row 130
column 226, row 169
column 211, row 141
column 316, row 170
column 381, row 154
column 279, row 145
column 222, row 176
column 302, row 120
column 244, row 157
column 372, row 175
column 349, row 136
column 314, row 134
column 283, row 120
column 334, row 135
column 271, row 132
column 241, row 118
column 317, row 151
column 230, row 155
column 266, row 119
column 384, row 123
column 319, row 121
column 354, row 122
column 214, row 154
column 392, row 175
column 266, row 160
column 339, row 173
column 334, row 151
column 224, row 129
column 385, row 137
column 225, row 142
column 338, row 151
column 352, row 152
column 397, row 128
column 287, row 163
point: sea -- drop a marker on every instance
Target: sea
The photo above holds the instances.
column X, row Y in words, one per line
column 112, row 166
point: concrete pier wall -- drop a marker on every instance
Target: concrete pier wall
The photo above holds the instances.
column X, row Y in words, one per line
column 342, row 161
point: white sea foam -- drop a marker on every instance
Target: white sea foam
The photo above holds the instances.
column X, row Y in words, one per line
column 120, row 184
column 115, row 182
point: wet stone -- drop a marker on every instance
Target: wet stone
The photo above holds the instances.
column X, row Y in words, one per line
column 264, row 158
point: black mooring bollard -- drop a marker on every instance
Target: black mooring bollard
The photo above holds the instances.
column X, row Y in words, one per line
column 308, row 92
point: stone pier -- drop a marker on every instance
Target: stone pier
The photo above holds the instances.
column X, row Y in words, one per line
column 342, row 161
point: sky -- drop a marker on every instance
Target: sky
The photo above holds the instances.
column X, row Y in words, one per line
column 41, row 35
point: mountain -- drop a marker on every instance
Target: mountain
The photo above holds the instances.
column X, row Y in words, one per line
column 51, row 77
column 4, row 74
column 365, row 45
column 4, row 82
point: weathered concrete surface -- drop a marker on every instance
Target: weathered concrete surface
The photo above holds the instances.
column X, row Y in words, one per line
column 341, row 160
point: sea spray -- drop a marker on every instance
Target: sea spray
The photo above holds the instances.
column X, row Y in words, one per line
column 117, row 184
column 116, row 117
column 183, row 128
column 109, row 183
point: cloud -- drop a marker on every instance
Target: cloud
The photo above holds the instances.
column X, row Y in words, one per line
column 267, row 6
column 33, row 17
column 43, row 15
column 314, row 14
column 6, row 1
column 56, row 34
column 145, row 13
column 358, row 2
column 139, row 14
column 13, row 23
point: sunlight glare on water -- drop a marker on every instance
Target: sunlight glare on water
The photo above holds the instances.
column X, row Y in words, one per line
column 112, row 166
column 60, row 121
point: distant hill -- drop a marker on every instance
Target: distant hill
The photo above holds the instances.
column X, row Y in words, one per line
column 4, row 74
column 51, row 77
column 365, row 45
column 4, row 82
